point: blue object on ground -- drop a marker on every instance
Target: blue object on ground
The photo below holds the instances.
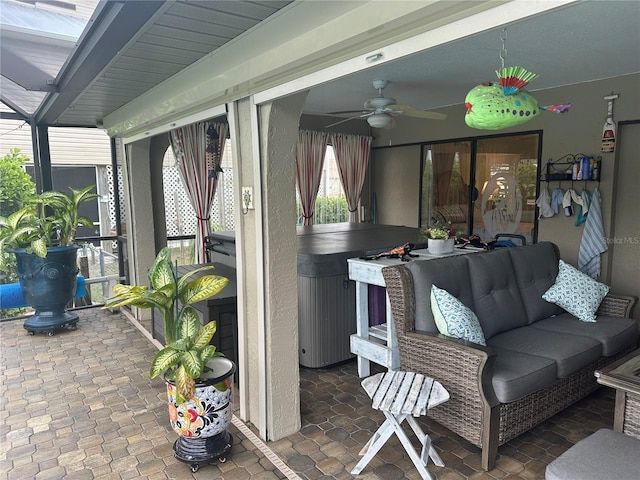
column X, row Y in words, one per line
column 11, row 294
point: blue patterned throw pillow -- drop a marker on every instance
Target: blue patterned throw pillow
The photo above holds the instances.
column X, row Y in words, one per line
column 576, row 292
column 454, row 318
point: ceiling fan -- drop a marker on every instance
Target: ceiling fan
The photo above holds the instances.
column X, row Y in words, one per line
column 379, row 111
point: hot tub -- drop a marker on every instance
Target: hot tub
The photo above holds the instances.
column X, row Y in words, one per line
column 326, row 296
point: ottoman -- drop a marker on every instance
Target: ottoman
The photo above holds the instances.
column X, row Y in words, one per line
column 602, row 455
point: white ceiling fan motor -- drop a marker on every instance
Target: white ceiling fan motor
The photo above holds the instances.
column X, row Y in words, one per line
column 380, row 102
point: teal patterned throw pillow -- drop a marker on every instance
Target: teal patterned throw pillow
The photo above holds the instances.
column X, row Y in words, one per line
column 454, row 318
column 576, row 292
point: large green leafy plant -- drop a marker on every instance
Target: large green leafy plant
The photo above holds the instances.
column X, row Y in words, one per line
column 51, row 218
column 188, row 347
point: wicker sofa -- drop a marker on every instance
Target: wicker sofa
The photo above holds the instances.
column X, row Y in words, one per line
column 538, row 359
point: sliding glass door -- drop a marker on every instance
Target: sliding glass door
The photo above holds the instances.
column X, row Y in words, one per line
column 482, row 186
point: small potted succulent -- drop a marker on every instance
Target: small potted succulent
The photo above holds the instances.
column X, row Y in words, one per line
column 198, row 379
column 440, row 238
column 42, row 236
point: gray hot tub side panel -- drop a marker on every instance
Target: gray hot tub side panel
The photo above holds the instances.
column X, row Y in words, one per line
column 326, row 296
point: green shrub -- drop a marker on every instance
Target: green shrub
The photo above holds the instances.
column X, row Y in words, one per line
column 328, row 210
column 15, row 184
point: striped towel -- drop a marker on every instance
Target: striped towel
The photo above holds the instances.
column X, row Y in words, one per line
column 593, row 242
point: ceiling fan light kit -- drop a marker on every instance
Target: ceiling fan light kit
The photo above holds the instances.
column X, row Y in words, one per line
column 379, row 120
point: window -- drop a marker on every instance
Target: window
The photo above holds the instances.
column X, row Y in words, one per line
column 331, row 203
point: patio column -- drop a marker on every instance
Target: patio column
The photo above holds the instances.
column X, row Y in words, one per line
column 41, row 157
column 278, row 137
column 266, row 244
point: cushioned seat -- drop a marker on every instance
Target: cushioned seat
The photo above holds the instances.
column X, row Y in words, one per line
column 570, row 352
column 603, row 455
column 516, row 374
column 613, row 333
column 528, row 337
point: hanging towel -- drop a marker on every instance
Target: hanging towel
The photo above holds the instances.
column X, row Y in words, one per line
column 566, row 203
column 584, row 207
column 544, row 204
column 556, row 199
column 593, row 242
column 580, row 201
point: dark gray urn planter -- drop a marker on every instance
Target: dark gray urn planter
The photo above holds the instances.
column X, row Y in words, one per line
column 48, row 285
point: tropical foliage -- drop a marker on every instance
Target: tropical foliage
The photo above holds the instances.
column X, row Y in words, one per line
column 49, row 219
column 188, row 346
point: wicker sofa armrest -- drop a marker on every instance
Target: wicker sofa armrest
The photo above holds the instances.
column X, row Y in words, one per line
column 617, row 305
column 464, row 368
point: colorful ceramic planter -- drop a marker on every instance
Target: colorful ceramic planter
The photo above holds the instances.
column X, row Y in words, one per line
column 201, row 422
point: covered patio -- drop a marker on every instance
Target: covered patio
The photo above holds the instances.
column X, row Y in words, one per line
column 75, row 407
column 80, row 404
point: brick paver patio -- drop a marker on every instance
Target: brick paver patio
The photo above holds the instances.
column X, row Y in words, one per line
column 80, row 405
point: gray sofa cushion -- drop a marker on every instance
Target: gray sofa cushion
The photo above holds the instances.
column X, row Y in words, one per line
column 496, row 299
column 614, row 333
column 536, row 268
column 450, row 274
column 570, row 352
column 516, row 374
column 602, row 455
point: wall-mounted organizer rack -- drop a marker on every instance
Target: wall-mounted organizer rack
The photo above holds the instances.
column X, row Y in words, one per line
column 570, row 167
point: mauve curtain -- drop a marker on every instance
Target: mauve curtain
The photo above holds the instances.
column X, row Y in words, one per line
column 352, row 157
column 198, row 150
column 310, row 151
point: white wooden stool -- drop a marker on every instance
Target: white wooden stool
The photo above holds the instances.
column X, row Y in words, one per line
column 400, row 396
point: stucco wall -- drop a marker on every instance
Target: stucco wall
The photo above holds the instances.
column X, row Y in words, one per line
column 578, row 131
column 397, row 181
column 279, row 127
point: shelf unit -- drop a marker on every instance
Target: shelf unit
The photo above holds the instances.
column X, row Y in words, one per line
column 560, row 170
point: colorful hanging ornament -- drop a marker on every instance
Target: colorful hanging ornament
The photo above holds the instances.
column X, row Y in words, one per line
column 609, row 129
column 494, row 106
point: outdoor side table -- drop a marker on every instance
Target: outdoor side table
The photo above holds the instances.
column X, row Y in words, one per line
column 402, row 396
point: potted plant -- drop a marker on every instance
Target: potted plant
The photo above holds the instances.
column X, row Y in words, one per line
column 42, row 238
column 440, row 238
column 199, row 379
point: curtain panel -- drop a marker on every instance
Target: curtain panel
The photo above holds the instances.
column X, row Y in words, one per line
column 352, row 157
column 198, row 151
column 310, row 151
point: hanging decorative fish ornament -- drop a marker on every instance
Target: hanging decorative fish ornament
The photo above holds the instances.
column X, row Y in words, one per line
column 493, row 106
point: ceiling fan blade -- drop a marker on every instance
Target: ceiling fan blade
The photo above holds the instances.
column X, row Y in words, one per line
column 347, row 111
column 414, row 112
column 342, row 121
